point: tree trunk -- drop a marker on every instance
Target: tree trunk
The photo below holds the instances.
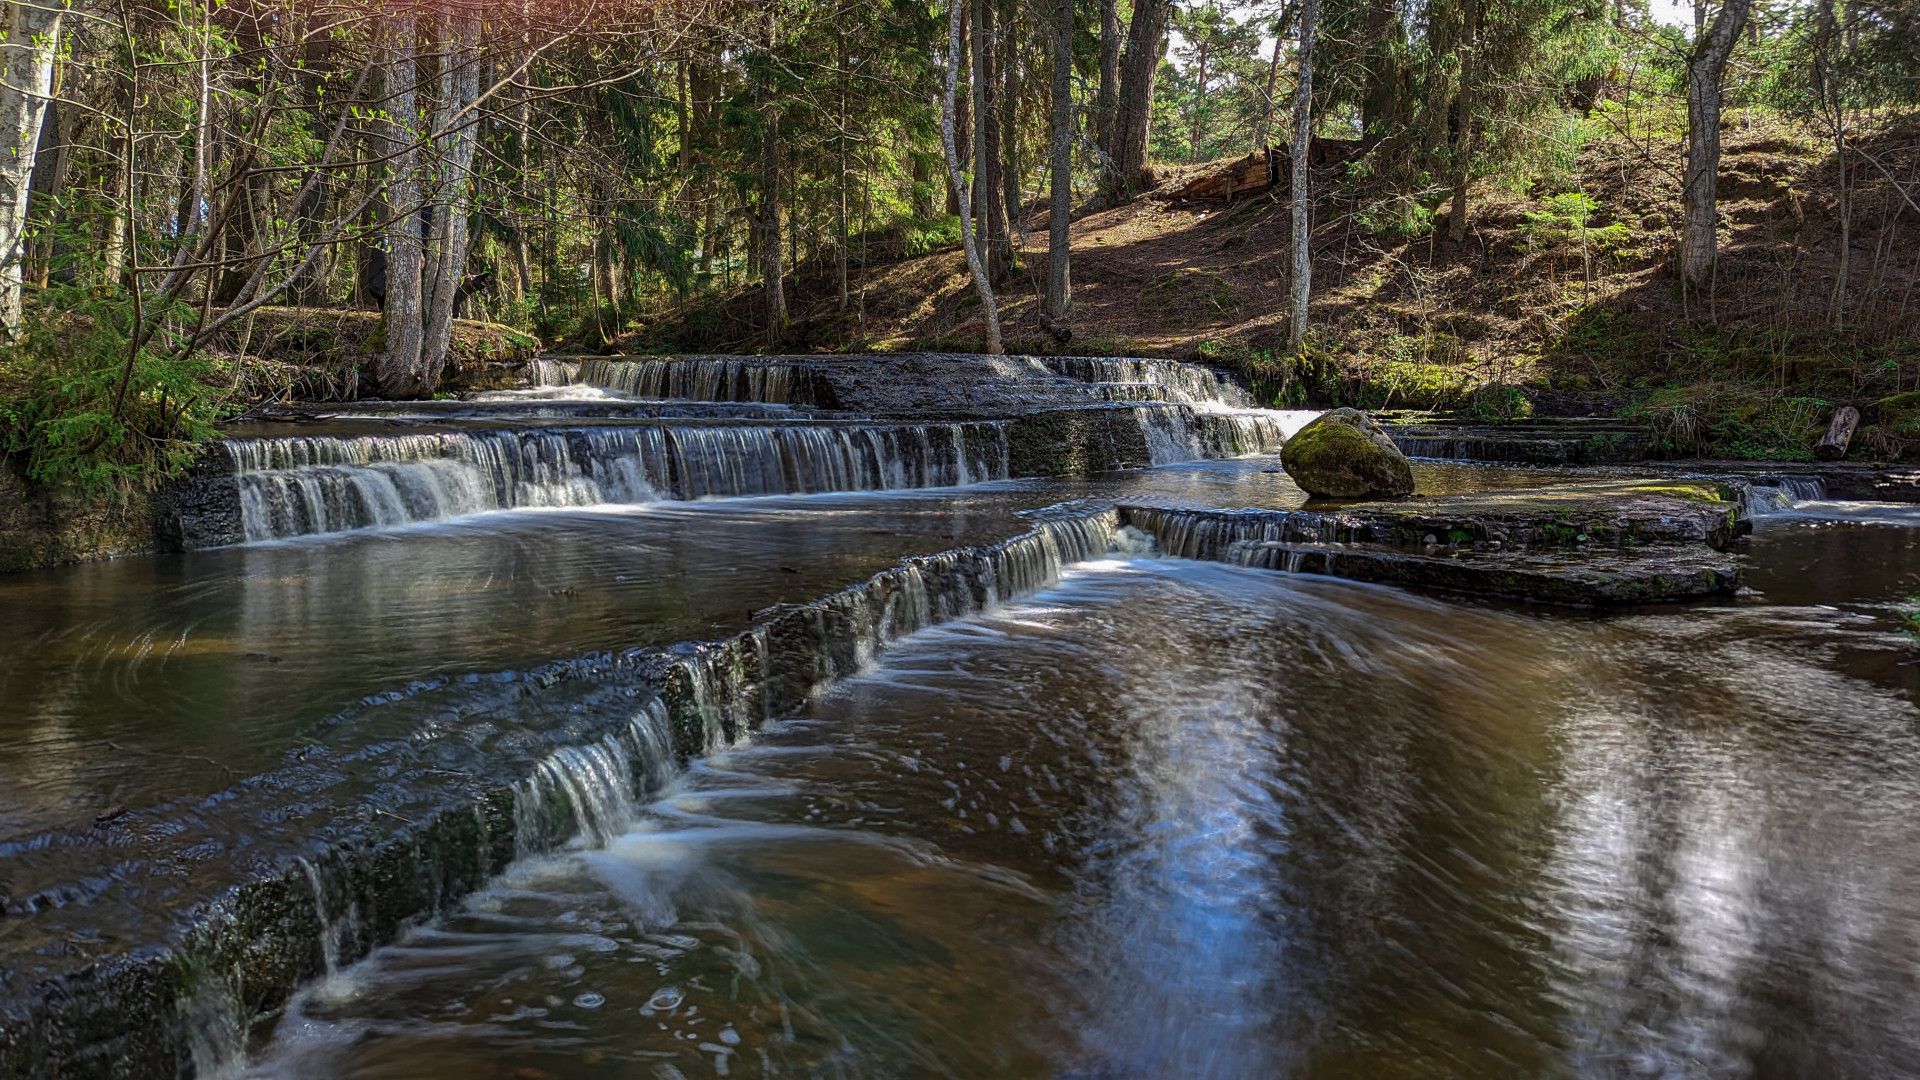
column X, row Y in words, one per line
column 1385, row 101
column 1106, row 101
column 1199, row 104
column 772, row 268
column 33, row 40
column 1699, row 239
column 989, row 211
column 459, row 89
column 949, row 108
column 1133, row 122
column 1302, row 195
column 1463, row 106
column 113, row 191
column 399, row 373
column 922, row 180
column 59, row 130
column 840, row 193
column 1059, row 285
column 1009, row 102
column 1265, row 137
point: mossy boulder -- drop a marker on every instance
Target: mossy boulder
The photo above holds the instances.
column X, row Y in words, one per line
column 1345, row 454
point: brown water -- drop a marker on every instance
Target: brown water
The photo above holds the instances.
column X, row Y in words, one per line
column 144, row 679
column 1174, row 819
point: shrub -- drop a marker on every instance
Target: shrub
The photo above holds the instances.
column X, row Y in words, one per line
column 91, row 413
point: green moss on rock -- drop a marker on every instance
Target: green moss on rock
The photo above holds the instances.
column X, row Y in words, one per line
column 1344, row 454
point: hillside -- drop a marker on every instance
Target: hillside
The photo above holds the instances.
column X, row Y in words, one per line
column 1555, row 302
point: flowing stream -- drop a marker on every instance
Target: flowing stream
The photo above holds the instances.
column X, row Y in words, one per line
column 662, row 721
column 1095, row 833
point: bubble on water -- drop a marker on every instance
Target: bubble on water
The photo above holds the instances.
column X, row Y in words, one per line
column 590, row 1000
column 558, row 961
column 729, row 1036
column 666, row 999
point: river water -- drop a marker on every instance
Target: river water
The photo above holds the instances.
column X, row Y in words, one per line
column 1174, row 819
column 1159, row 818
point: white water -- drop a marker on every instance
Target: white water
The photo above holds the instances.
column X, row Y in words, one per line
column 688, row 379
column 1780, row 494
column 302, row 486
column 1182, row 433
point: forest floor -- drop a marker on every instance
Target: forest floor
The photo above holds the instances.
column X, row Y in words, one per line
column 1561, row 298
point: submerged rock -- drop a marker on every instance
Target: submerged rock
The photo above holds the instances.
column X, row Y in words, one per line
column 1346, row 455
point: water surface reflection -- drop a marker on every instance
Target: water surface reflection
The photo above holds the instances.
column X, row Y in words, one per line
column 1178, row 819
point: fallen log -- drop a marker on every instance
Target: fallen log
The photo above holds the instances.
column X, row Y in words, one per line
column 1833, row 445
column 1255, row 172
column 1263, row 169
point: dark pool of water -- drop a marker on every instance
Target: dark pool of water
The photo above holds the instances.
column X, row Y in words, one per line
column 1174, row 819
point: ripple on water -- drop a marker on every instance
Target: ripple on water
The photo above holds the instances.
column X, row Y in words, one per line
column 1170, row 819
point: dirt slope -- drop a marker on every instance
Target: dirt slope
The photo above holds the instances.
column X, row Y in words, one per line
column 1573, row 309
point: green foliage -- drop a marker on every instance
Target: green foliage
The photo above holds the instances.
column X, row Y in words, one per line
column 1222, row 116
column 1732, row 420
column 92, row 414
column 1498, row 403
column 922, row 235
column 1400, row 217
column 1276, row 380
column 1567, row 220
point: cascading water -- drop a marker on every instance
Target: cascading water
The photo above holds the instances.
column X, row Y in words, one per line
column 1774, row 494
column 338, row 932
column 1229, row 536
column 1189, row 383
column 588, row 791
column 682, row 379
column 300, row 486
column 1176, row 433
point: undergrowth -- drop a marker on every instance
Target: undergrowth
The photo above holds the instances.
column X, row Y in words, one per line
column 90, row 414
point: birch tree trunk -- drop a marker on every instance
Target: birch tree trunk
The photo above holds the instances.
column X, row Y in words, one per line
column 398, row 370
column 949, row 107
column 459, row 89
column 1059, row 284
column 1699, row 237
column 33, row 40
column 1302, row 195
